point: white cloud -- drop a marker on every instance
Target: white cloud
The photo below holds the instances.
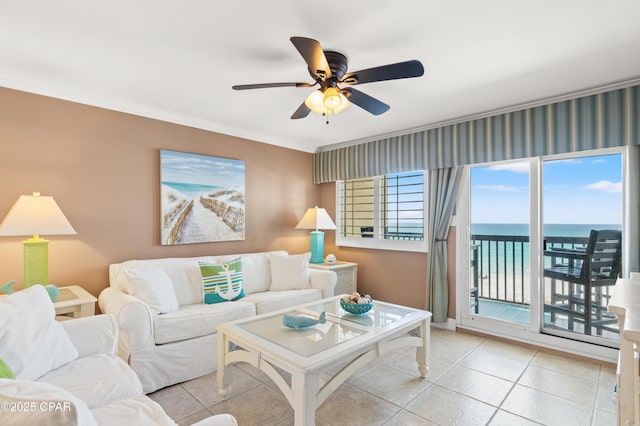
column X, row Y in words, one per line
column 502, row 188
column 605, row 185
column 521, row 167
column 567, row 161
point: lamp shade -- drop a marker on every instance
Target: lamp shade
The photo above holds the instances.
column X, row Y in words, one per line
column 316, row 218
column 35, row 215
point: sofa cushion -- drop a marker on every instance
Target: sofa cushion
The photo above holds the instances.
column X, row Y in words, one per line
column 115, row 378
column 187, row 281
column 34, row 347
column 257, row 272
column 269, row 301
column 183, row 272
column 51, row 405
column 140, row 410
column 198, row 320
column 289, row 272
column 154, row 287
column 222, row 282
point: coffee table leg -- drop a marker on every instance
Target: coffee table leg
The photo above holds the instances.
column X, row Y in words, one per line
column 304, row 388
column 422, row 352
column 224, row 373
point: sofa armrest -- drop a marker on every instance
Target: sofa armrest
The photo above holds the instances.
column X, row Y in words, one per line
column 324, row 280
column 133, row 318
column 93, row 335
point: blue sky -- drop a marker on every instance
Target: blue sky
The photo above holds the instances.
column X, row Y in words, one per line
column 585, row 190
column 200, row 169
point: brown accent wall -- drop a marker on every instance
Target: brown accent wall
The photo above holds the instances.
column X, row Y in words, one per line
column 393, row 276
column 103, row 169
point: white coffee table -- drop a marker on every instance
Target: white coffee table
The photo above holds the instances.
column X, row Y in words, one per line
column 264, row 342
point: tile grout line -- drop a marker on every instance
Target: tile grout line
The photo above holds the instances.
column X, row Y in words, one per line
column 512, row 388
column 474, row 348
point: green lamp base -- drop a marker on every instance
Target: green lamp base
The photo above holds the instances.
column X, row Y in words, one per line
column 36, row 261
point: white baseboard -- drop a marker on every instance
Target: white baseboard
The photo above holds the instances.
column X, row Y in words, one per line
column 449, row 325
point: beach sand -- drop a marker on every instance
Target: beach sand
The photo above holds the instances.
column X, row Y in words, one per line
column 201, row 224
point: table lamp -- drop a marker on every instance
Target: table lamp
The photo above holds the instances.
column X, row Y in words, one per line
column 316, row 218
column 35, row 215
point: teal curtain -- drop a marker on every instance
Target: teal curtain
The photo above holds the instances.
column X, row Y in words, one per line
column 443, row 191
column 603, row 120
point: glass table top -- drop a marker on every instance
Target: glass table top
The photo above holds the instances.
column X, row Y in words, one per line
column 340, row 326
column 305, row 341
column 379, row 316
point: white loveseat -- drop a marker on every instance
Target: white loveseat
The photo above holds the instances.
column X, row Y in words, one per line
column 69, row 373
column 168, row 341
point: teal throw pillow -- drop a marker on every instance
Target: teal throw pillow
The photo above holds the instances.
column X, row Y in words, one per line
column 5, row 371
column 222, row 282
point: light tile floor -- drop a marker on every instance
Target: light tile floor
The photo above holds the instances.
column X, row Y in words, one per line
column 474, row 380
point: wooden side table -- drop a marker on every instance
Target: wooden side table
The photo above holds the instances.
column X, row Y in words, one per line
column 74, row 302
column 347, row 275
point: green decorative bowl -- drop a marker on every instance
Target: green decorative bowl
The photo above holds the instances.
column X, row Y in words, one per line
column 356, row 308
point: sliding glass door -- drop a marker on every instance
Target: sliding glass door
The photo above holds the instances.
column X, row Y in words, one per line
column 500, row 233
column 540, row 246
column 582, row 246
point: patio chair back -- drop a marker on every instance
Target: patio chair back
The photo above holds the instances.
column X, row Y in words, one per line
column 603, row 262
column 584, row 277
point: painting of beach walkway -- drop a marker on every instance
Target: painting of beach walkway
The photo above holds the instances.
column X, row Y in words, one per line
column 202, row 198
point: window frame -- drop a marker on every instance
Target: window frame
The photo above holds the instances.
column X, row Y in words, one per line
column 377, row 242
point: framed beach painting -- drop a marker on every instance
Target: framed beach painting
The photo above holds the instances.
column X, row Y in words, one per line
column 202, row 198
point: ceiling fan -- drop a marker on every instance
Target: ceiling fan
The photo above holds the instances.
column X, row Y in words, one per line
column 329, row 70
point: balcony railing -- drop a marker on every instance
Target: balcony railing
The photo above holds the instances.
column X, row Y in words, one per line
column 503, row 264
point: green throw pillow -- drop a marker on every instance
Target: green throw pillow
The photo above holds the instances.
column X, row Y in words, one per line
column 222, row 282
column 5, row 371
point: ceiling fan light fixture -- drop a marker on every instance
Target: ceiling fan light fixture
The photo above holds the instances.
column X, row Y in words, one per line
column 332, row 99
column 324, row 104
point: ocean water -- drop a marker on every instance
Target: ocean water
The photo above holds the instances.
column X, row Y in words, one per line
column 551, row 230
column 190, row 188
column 514, row 258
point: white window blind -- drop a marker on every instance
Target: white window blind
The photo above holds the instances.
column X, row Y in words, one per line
column 402, row 206
column 386, row 212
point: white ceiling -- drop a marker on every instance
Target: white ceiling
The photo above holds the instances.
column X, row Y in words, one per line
column 177, row 60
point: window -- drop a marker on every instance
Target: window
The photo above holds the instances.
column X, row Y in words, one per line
column 383, row 212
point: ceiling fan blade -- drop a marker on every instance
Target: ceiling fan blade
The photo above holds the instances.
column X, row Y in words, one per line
column 301, row 112
column 313, row 55
column 267, row 85
column 365, row 101
column 407, row 69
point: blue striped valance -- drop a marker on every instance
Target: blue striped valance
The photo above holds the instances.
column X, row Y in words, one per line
column 602, row 120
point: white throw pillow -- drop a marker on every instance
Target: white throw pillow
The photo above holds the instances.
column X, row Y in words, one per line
column 289, row 272
column 154, row 287
column 33, row 342
column 42, row 404
column 257, row 272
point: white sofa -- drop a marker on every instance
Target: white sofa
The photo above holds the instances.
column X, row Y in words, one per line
column 168, row 341
column 69, row 373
